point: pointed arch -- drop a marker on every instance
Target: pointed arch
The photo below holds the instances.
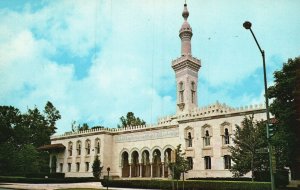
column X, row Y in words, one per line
column 87, row 146
column 134, row 149
column 226, row 131
column 204, row 128
column 120, row 155
column 168, row 146
column 70, row 148
column 97, row 145
column 78, row 147
column 154, row 148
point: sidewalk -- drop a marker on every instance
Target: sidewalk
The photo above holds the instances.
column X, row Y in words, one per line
column 27, row 186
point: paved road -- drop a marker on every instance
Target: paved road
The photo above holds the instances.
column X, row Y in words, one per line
column 28, row 186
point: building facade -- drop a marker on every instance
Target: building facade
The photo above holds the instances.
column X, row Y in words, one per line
column 205, row 134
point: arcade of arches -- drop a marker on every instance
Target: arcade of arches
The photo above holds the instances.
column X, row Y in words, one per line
column 146, row 162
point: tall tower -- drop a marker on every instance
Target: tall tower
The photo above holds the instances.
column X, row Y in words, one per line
column 186, row 69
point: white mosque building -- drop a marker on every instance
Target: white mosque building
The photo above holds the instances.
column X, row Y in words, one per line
column 145, row 151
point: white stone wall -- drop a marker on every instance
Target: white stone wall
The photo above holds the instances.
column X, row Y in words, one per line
column 115, row 141
column 218, row 148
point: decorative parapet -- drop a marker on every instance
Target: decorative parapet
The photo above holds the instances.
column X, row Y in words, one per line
column 165, row 120
column 217, row 109
column 114, row 130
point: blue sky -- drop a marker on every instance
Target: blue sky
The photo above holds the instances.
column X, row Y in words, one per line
column 97, row 60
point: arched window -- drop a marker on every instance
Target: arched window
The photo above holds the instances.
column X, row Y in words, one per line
column 226, row 136
column 193, row 91
column 70, row 148
column 188, row 135
column 181, row 90
column 227, row 162
column 226, row 131
column 190, row 140
column 207, row 162
column 97, row 146
column 78, row 148
column 88, row 147
column 207, row 138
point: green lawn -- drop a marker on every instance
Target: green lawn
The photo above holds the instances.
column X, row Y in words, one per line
column 80, row 189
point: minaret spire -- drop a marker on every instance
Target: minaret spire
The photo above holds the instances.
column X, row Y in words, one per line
column 186, row 69
column 185, row 33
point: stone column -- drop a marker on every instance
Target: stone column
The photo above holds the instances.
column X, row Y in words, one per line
column 151, row 170
column 130, row 170
column 50, row 163
column 163, row 169
column 141, row 170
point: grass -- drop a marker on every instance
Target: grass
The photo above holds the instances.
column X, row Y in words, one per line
column 79, row 189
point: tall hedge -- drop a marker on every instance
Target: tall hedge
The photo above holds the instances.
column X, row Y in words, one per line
column 189, row 185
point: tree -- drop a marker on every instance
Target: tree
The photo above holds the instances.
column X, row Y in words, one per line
column 27, row 159
column 130, row 120
column 249, row 153
column 52, row 115
column 283, row 107
column 76, row 128
column 10, row 117
column 84, row 127
column 38, row 127
column 97, row 168
column 181, row 164
column 21, row 134
column 98, row 127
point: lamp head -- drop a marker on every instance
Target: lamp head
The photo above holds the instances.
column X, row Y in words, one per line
column 247, row 25
column 108, row 169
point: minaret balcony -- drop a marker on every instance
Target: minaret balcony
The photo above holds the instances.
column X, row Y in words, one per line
column 186, row 61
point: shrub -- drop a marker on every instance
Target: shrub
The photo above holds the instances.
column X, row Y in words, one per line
column 42, row 175
column 189, row 185
column 97, row 168
column 222, row 178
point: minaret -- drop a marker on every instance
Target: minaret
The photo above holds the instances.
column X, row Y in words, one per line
column 186, row 69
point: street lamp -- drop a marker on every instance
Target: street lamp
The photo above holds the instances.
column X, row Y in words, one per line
column 108, row 169
column 247, row 25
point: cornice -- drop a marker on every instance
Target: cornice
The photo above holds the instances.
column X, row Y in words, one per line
column 226, row 115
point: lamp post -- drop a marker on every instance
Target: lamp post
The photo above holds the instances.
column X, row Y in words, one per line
column 247, row 25
column 108, row 169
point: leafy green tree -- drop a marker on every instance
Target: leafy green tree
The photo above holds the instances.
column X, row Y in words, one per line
column 97, row 168
column 181, row 164
column 39, row 129
column 10, row 117
column 283, row 107
column 52, row 115
column 8, row 158
column 98, row 127
column 21, row 134
column 130, row 120
column 250, row 140
column 28, row 159
column 76, row 128
column 84, row 127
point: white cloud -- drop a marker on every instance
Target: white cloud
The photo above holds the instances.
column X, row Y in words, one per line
column 131, row 69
